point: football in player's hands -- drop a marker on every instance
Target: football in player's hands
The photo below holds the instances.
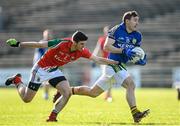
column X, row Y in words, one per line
column 139, row 54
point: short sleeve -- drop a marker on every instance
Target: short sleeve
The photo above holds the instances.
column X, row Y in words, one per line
column 54, row 42
column 112, row 33
column 86, row 53
column 101, row 41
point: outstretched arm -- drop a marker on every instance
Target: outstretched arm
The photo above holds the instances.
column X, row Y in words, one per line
column 97, row 49
column 33, row 44
column 101, row 60
column 30, row 44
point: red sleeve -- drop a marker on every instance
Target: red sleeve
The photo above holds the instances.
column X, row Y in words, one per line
column 86, row 53
column 68, row 38
column 101, row 41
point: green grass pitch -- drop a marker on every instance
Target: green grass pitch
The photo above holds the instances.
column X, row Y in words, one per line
column 86, row 111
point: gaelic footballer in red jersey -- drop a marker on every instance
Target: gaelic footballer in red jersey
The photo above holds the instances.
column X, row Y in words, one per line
column 61, row 52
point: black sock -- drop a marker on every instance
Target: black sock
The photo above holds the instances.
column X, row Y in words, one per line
column 134, row 110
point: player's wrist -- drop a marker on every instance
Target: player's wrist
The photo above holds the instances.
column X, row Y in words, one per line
column 18, row 44
column 122, row 51
column 126, row 51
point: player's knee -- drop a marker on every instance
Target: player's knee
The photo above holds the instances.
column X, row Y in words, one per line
column 129, row 84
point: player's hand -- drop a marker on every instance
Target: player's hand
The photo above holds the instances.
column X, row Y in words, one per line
column 129, row 53
column 142, row 61
column 13, row 42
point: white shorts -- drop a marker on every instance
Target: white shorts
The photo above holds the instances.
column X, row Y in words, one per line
column 111, row 76
column 39, row 75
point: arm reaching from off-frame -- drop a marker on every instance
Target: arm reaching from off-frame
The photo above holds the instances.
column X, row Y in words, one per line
column 30, row 44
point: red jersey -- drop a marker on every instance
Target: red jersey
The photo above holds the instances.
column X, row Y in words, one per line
column 62, row 54
column 101, row 41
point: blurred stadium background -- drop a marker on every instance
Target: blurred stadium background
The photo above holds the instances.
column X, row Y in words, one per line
column 26, row 19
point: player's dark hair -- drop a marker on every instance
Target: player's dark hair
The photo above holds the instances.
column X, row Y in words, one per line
column 79, row 36
column 128, row 15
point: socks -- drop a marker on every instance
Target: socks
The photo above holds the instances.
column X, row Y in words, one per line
column 53, row 114
column 134, row 110
column 17, row 80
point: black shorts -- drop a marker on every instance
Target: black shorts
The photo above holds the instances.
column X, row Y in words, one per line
column 53, row 82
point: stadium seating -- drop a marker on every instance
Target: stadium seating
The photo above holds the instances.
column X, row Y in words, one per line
column 159, row 24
